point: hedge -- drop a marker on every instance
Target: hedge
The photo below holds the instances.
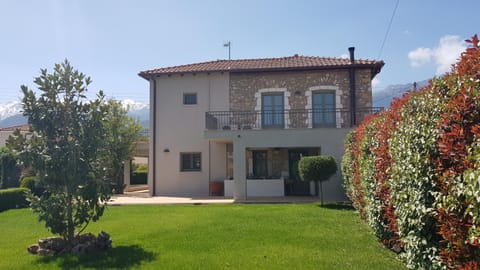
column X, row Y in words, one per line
column 138, row 178
column 13, row 198
column 413, row 170
column 9, row 170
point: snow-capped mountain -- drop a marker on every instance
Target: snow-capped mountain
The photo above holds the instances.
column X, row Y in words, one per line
column 11, row 113
column 133, row 105
column 10, row 109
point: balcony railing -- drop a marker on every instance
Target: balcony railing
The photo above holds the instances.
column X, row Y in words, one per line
column 286, row 119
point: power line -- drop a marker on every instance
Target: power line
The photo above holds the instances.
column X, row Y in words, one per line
column 388, row 29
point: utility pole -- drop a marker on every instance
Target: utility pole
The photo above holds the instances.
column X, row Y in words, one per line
column 228, row 44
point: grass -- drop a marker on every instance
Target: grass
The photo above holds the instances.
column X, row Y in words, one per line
column 239, row 236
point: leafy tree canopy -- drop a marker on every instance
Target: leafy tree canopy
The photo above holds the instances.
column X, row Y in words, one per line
column 71, row 148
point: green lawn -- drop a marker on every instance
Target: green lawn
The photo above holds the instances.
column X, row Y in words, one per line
column 239, row 236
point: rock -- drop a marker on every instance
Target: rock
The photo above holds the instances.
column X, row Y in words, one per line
column 87, row 237
column 91, row 248
column 45, row 252
column 43, row 243
column 53, row 243
column 103, row 235
column 79, row 249
column 83, row 244
column 103, row 240
column 33, row 249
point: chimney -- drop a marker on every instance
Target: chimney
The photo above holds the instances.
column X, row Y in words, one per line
column 352, row 54
column 353, row 102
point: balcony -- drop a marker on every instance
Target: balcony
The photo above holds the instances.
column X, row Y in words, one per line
column 286, row 119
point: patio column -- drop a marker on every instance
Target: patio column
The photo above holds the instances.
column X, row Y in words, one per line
column 126, row 173
column 239, row 171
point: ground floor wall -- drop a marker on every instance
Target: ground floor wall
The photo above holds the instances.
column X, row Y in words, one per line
column 170, row 180
column 329, row 141
column 219, row 150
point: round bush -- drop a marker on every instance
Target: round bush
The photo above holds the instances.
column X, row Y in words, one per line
column 317, row 168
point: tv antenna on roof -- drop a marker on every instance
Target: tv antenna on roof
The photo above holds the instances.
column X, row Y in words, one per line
column 229, row 45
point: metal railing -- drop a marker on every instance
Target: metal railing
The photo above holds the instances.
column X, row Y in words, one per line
column 285, row 119
column 144, row 134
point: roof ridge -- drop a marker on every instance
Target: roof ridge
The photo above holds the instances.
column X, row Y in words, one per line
column 295, row 62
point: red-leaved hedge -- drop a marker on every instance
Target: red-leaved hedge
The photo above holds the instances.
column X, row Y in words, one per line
column 413, row 171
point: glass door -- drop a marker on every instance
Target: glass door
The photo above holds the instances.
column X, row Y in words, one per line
column 296, row 186
column 272, row 110
column 323, row 109
column 260, row 169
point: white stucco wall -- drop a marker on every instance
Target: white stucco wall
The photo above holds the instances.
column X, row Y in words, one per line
column 180, row 129
column 259, row 188
column 4, row 136
column 5, row 133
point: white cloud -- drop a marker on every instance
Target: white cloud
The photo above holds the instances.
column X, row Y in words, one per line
column 344, row 56
column 420, row 56
column 375, row 82
column 448, row 52
column 444, row 55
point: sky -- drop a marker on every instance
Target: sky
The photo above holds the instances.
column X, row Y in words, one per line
column 112, row 40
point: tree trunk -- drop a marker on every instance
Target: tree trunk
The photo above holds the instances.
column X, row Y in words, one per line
column 321, row 193
column 70, row 225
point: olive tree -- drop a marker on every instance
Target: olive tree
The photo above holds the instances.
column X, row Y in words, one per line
column 317, row 169
column 67, row 150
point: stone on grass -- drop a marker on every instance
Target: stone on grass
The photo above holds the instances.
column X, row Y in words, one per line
column 45, row 252
column 33, row 249
column 83, row 244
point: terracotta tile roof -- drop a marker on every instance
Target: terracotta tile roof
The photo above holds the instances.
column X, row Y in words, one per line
column 296, row 62
column 25, row 127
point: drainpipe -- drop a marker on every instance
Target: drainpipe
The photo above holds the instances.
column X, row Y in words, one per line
column 153, row 134
column 353, row 105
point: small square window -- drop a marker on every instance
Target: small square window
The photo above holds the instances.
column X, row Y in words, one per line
column 190, row 99
column 190, row 162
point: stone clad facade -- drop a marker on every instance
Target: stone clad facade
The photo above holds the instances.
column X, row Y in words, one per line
column 245, row 90
column 244, row 86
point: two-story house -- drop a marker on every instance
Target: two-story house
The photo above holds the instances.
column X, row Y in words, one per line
column 247, row 122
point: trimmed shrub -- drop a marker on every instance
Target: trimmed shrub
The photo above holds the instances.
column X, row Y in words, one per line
column 141, row 168
column 33, row 184
column 413, row 171
column 458, row 201
column 13, row 198
column 9, row 170
column 139, row 178
column 139, row 175
column 318, row 169
column 413, row 179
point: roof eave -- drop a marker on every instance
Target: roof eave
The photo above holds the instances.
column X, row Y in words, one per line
column 376, row 67
column 145, row 76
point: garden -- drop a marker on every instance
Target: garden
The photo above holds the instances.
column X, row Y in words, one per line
column 229, row 236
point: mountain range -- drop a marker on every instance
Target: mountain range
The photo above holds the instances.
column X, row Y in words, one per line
column 382, row 98
column 11, row 112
